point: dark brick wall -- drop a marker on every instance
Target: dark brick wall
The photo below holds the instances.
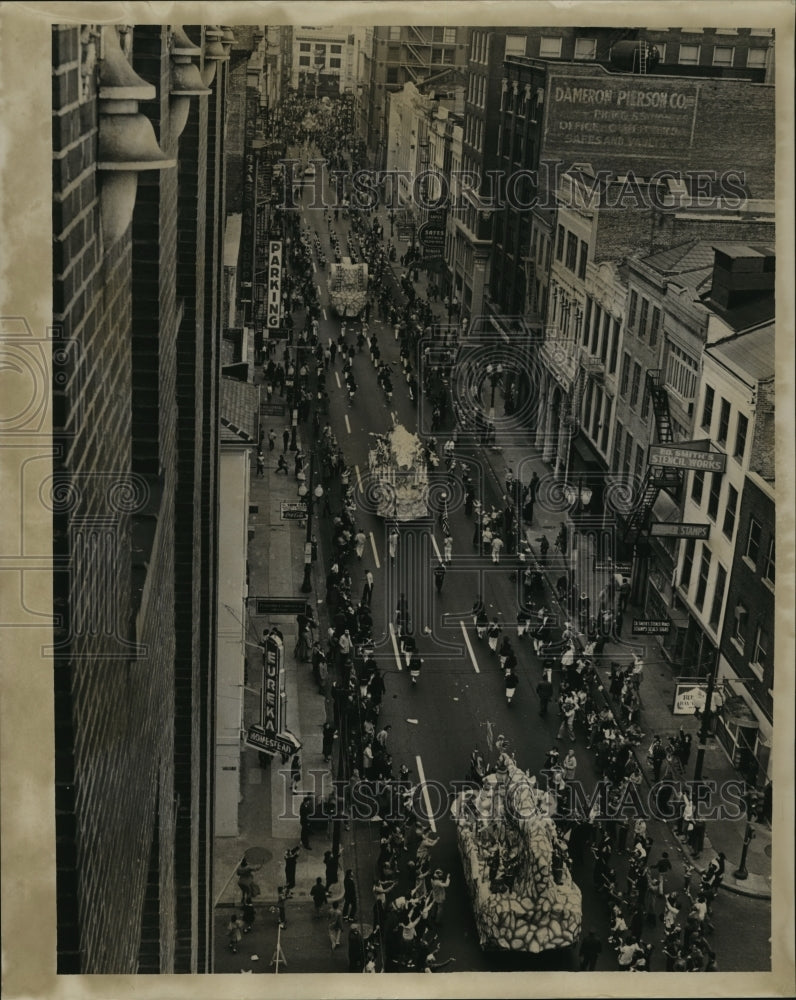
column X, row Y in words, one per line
column 131, row 437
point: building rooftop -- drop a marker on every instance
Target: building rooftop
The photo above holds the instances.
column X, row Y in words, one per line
column 693, row 255
column 751, row 352
column 239, row 411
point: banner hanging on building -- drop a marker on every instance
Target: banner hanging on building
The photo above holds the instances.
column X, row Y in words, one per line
column 249, row 206
column 273, row 295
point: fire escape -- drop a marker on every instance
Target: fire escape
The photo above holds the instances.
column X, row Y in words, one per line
column 658, row 477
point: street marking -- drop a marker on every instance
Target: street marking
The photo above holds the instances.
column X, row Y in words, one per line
column 319, row 290
column 394, row 416
column 395, row 646
column 375, row 552
column 426, row 800
column 359, row 478
column 314, row 268
column 469, row 647
column 337, row 377
column 324, row 312
column 436, row 547
column 347, row 424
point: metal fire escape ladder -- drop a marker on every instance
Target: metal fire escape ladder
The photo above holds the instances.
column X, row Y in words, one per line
column 642, row 57
column 645, row 499
column 657, row 477
column 671, row 479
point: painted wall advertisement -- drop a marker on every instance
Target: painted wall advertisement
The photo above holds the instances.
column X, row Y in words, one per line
column 649, row 119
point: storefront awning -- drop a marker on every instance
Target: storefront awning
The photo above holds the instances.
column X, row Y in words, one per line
column 583, row 456
column 665, row 509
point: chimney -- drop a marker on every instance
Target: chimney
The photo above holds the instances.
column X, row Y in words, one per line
column 741, row 274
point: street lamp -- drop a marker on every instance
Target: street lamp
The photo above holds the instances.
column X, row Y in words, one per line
column 749, row 834
column 578, row 497
column 391, row 216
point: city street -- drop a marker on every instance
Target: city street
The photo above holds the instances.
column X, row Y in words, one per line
column 459, row 700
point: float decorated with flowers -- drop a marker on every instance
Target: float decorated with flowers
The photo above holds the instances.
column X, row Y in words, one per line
column 523, row 895
column 398, row 487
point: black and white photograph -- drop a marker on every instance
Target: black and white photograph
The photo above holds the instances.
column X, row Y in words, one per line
column 397, row 429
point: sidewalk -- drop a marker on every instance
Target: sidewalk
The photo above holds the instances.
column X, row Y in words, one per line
column 658, row 685
column 268, row 810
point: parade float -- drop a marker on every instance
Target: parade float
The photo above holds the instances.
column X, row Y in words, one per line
column 523, row 895
column 348, row 287
column 399, row 475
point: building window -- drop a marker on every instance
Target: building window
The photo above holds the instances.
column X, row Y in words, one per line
column 661, row 51
column 740, row 437
column 585, row 48
column 726, row 31
column 770, row 564
column 304, row 60
column 395, row 33
column 753, row 541
column 606, row 424
column 729, row 513
column 724, row 422
column 448, row 36
column 697, row 487
column 549, row 47
column 392, row 74
column 639, row 466
column 614, row 348
column 681, row 371
column 655, row 326
column 560, row 244
column 642, row 318
column 582, row 261
column 334, row 63
column 756, row 59
column 688, row 564
column 304, row 46
column 587, row 321
column 689, row 55
column 572, row 251
column 718, row 598
column 645, row 401
column 623, row 382
column 741, row 616
column 336, row 49
column 707, row 409
column 631, row 313
column 628, row 452
column 723, row 55
column 713, row 496
column 760, row 654
column 515, row 45
column 617, row 446
column 702, row 582
column 636, row 384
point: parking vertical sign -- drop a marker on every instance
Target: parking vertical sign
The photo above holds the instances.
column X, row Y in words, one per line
column 273, row 298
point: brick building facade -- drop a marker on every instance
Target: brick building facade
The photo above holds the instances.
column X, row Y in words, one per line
column 138, row 211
